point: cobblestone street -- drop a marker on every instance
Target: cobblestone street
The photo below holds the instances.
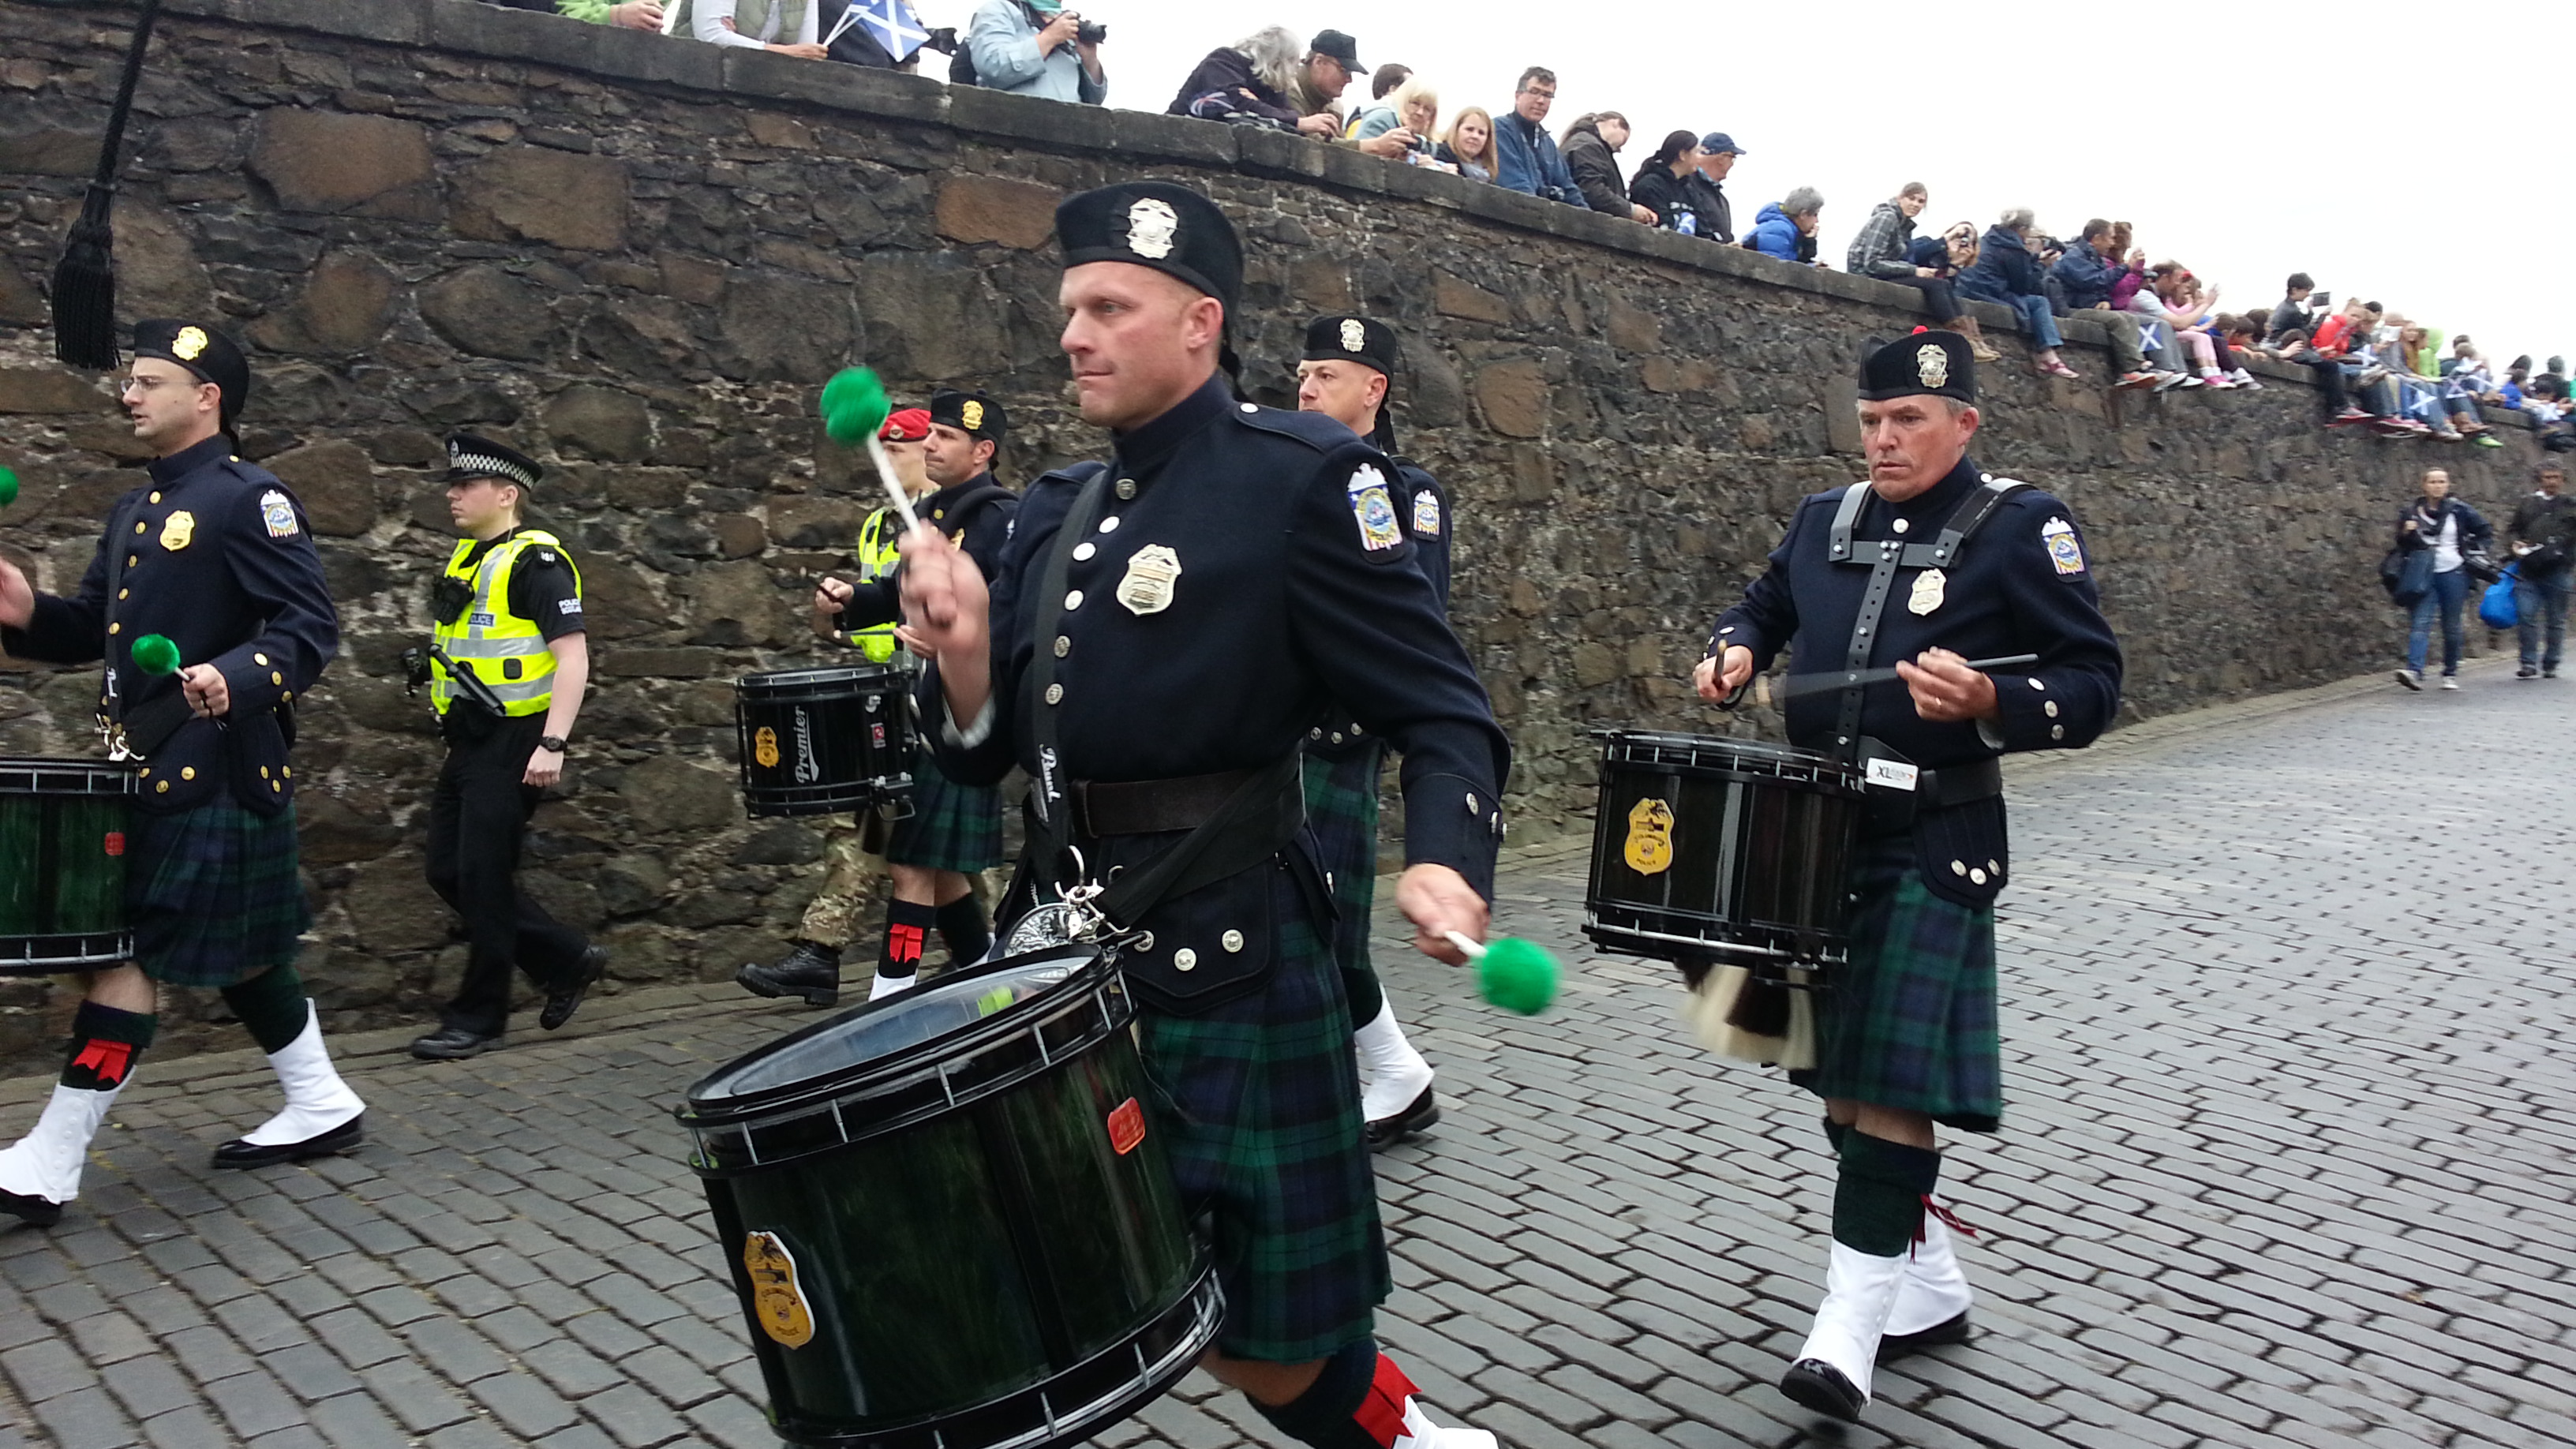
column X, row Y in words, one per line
column 2285, row 1163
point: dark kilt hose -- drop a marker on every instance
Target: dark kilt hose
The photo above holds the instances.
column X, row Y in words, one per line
column 214, row 894
column 951, row 826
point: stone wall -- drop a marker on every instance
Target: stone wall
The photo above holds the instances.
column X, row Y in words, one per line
column 637, row 257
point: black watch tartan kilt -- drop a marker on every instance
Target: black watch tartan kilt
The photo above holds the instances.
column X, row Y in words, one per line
column 1911, row 1020
column 1258, row 1101
column 213, row 895
column 951, row 827
column 1341, row 812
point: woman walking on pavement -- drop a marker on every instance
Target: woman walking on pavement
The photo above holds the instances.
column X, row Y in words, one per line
column 2448, row 527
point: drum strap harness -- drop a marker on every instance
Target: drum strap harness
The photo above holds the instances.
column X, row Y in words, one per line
column 1933, row 788
column 133, row 734
column 1255, row 813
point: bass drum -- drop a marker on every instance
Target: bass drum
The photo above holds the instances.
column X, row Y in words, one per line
column 946, row 1217
column 62, row 865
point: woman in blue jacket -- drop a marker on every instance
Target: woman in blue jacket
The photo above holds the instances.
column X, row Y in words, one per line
column 2451, row 530
column 2006, row 272
column 1787, row 228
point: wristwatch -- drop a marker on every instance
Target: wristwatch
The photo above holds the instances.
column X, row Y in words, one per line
column 551, row 742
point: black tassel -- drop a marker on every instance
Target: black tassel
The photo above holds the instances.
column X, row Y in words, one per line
column 1761, row 1008
column 84, row 291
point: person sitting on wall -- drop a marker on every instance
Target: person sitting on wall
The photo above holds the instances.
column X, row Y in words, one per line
column 776, row 25
column 1787, row 228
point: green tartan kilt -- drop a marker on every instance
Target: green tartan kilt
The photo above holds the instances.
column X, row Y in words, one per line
column 1911, row 1021
column 951, row 827
column 213, row 894
column 1341, row 812
column 1260, row 1108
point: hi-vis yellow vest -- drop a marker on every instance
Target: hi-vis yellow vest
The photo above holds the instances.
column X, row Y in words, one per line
column 503, row 650
column 880, row 548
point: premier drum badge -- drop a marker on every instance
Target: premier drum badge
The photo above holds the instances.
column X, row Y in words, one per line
column 1152, row 573
column 1650, row 837
column 776, row 1299
column 1930, row 588
column 764, row 747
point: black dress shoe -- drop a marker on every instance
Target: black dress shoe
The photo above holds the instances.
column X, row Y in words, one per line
column 453, row 1044
column 40, row 1212
column 810, row 971
column 1417, row 1116
column 564, row 1000
column 1818, row 1385
column 239, row 1153
column 1894, row 1346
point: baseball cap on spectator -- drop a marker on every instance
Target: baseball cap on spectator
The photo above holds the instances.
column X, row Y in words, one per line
column 908, row 426
column 1716, row 141
column 1340, row 47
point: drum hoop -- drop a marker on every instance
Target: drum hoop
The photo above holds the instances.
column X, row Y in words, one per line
column 1654, row 750
column 1095, row 987
column 893, row 677
column 20, row 775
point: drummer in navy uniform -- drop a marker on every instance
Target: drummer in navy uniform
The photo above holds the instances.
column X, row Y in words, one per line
column 1929, row 564
column 1347, row 375
column 509, row 666
column 213, row 554
column 953, row 832
column 1159, row 636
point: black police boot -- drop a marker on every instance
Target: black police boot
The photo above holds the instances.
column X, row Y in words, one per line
column 810, row 971
column 565, row 999
column 453, row 1044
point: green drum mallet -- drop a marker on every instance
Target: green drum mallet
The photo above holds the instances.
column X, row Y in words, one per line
column 854, row 407
column 1514, row 974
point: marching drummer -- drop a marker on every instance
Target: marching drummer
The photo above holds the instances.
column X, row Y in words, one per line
column 954, row 831
column 1347, row 375
column 212, row 555
column 509, row 662
column 1927, row 565
column 1158, row 637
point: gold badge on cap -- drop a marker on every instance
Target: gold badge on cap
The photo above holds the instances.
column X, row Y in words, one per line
column 1649, row 850
column 973, row 414
column 1932, row 365
column 189, row 342
column 178, row 530
column 1930, row 587
column 777, row 1300
column 1148, row 584
column 1151, row 227
column 1354, row 336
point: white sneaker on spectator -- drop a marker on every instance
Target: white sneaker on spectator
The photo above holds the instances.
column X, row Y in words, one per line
column 2168, row 381
column 2136, row 379
column 2411, row 678
column 2242, row 378
column 2450, row 682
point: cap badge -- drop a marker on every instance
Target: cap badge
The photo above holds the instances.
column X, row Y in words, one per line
column 1932, row 365
column 189, row 342
column 1151, row 226
column 1354, row 336
column 973, row 413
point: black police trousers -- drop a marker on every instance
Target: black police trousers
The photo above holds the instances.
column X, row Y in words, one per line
column 477, row 816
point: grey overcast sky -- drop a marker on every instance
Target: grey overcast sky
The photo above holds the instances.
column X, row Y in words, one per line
column 2413, row 175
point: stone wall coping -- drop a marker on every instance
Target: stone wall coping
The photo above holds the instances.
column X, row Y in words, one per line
column 472, row 28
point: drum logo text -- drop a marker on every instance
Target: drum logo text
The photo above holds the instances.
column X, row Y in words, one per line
column 1126, row 1126
column 776, row 1300
column 764, row 747
column 1650, row 837
column 807, row 772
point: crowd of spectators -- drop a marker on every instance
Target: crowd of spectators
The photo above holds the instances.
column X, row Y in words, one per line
column 2380, row 371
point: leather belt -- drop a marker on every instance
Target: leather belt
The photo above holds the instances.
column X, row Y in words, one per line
column 1958, row 784
column 1150, row 807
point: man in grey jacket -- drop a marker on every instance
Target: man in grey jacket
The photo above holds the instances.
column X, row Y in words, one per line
column 1035, row 48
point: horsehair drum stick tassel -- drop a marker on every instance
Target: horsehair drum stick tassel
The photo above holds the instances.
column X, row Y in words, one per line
column 1513, row 974
column 854, row 407
column 84, row 290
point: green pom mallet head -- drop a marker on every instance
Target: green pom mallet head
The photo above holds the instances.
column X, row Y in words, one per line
column 155, row 654
column 1514, row 974
column 8, row 487
column 854, row 406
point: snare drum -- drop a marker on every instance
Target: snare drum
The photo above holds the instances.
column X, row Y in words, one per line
column 1720, row 849
column 62, row 865
column 948, row 1220
column 824, row 741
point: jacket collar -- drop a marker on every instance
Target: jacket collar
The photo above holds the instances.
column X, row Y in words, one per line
column 936, row 506
column 178, row 465
column 1148, row 447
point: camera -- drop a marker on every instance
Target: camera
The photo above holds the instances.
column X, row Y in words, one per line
column 1090, row 32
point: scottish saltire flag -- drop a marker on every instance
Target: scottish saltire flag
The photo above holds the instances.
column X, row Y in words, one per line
column 893, row 24
column 2151, row 335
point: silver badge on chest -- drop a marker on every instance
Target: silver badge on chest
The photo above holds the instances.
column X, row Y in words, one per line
column 1152, row 573
column 1930, row 588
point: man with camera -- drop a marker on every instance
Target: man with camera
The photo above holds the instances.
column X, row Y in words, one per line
column 1038, row 48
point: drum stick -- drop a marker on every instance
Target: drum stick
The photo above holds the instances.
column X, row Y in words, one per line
column 1514, row 974
column 894, row 490
column 1798, row 684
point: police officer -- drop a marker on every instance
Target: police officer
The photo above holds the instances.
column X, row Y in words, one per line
column 812, row 966
column 1156, row 640
column 1347, row 376
column 214, row 556
column 1927, row 565
column 953, row 832
column 508, row 667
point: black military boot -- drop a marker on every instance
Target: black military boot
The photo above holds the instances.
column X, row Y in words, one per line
column 808, row 970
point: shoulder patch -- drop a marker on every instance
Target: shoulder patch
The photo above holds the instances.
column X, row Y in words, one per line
column 277, row 511
column 2064, row 551
column 1426, row 514
column 1374, row 510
